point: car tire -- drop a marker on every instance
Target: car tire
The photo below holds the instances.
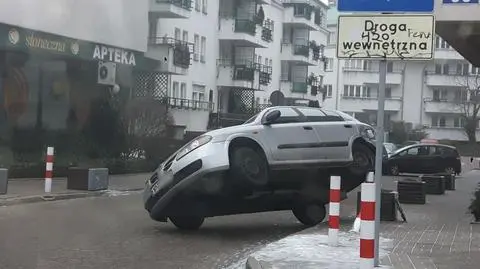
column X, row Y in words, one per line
column 310, row 214
column 450, row 170
column 363, row 159
column 393, row 170
column 187, row 222
column 247, row 165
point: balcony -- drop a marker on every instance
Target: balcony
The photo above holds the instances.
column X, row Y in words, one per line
column 189, row 104
column 448, row 54
column 244, row 33
column 445, row 80
column 441, row 106
column 362, row 104
column 298, row 54
column 294, row 87
column 239, row 75
column 300, row 16
column 370, row 76
column 171, row 9
column 265, row 74
column 174, row 55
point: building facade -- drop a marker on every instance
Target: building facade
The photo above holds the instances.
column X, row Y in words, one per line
column 428, row 94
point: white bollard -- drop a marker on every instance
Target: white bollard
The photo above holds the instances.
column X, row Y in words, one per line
column 49, row 170
column 367, row 226
column 334, row 210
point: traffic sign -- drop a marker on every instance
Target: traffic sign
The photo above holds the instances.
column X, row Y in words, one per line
column 394, row 36
column 461, row 1
column 387, row 5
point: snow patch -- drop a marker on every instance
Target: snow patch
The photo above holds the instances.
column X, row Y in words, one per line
column 311, row 251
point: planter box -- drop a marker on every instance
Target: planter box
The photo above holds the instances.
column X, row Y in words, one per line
column 388, row 209
column 450, row 182
column 3, row 180
column 435, row 184
column 412, row 191
column 87, row 179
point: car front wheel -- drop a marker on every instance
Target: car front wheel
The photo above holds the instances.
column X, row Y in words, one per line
column 310, row 214
column 363, row 159
column 249, row 166
column 187, row 222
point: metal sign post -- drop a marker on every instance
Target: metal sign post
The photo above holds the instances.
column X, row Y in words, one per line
column 384, row 37
column 379, row 153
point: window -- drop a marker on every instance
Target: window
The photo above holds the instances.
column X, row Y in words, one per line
column 438, row 121
column 177, row 34
column 332, row 38
column 185, row 36
column 259, row 60
column 266, row 61
column 332, row 116
column 388, row 92
column 413, row 151
column 197, row 5
column 203, row 49
column 354, row 64
column 366, row 92
column 458, row 122
column 328, row 89
column 198, row 95
column 438, row 69
column 174, row 92
column 204, row 6
column 460, row 96
column 389, row 67
column 152, row 28
column 358, row 91
column 270, row 63
column 440, row 43
column 287, row 115
column 312, row 115
column 463, row 69
column 183, row 91
column 446, row 70
column 475, row 70
column 196, row 47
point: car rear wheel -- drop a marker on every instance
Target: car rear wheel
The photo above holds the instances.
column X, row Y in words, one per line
column 394, row 171
column 249, row 166
column 450, row 170
column 310, row 214
column 363, row 159
column 187, row 222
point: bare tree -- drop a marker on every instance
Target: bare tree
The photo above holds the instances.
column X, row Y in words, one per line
column 469, row 103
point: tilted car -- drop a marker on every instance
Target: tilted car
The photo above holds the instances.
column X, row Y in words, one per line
column 280, row 159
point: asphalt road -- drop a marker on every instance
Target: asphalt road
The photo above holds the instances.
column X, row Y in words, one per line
column 115, row 232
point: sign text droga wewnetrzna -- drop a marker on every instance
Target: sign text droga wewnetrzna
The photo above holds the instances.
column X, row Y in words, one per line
column 387, row 38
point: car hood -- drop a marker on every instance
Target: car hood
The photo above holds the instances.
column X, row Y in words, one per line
column 223, row 133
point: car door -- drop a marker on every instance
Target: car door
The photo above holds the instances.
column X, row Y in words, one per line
column 406, row 160
column 333, row 132
column 290, row 138
column 425, row 159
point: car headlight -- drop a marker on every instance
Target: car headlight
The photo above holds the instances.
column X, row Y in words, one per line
column 367, row 133
column 192, row 145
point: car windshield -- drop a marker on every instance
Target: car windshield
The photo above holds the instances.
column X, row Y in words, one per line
column 252, row 119
column 390, row 147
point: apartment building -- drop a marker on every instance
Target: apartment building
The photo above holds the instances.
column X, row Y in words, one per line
column 242, row 55
column 430, row 93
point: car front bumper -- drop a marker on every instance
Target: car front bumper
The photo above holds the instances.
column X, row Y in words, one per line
column 168, row 181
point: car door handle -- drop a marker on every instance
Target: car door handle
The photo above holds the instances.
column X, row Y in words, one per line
column 347, row 125
column 307, row 127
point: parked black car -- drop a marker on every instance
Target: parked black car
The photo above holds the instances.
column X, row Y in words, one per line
column 424, row 159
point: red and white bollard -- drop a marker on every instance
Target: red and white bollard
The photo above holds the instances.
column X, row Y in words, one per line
column 367, row 229
column 49, row 170
column 334, row 210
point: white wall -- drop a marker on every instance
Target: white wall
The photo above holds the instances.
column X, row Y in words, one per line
column 121, row 23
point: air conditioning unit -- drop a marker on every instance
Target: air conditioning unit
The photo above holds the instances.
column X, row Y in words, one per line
column 106, row 73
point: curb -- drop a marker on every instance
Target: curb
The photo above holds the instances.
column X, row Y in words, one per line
column 60, row 197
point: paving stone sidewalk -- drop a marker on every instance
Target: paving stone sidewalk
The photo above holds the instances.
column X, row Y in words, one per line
column 437, row 235
column 31, row 190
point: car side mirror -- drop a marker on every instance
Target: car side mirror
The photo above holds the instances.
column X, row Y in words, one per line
column 271, row 117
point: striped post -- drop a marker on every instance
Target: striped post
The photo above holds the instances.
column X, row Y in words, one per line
column 334, row 210
column 49, row 170
column 367, row 229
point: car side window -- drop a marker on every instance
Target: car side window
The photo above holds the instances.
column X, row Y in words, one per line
column 332, row 116
column 287, row 115
column 312, row 115
column 412, row 151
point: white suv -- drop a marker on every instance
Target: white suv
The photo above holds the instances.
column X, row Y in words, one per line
column 280, row 159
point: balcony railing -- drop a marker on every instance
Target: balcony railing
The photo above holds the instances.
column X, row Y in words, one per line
column 182, row 50
column 246, row 26
column 185, row 4
column 267, row 34
column 299, row 87
column 303, row 50
column 183, row 103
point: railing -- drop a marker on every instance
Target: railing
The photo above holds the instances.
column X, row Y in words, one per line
column 398, row 98
column 190, row 104
column 303, row 50
column 299, row 87
column 166, row 40
column 371, row 70
column 267, row 34
column 243, row 73
column 246, row 26
column 185, row 4
column 263, row 68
